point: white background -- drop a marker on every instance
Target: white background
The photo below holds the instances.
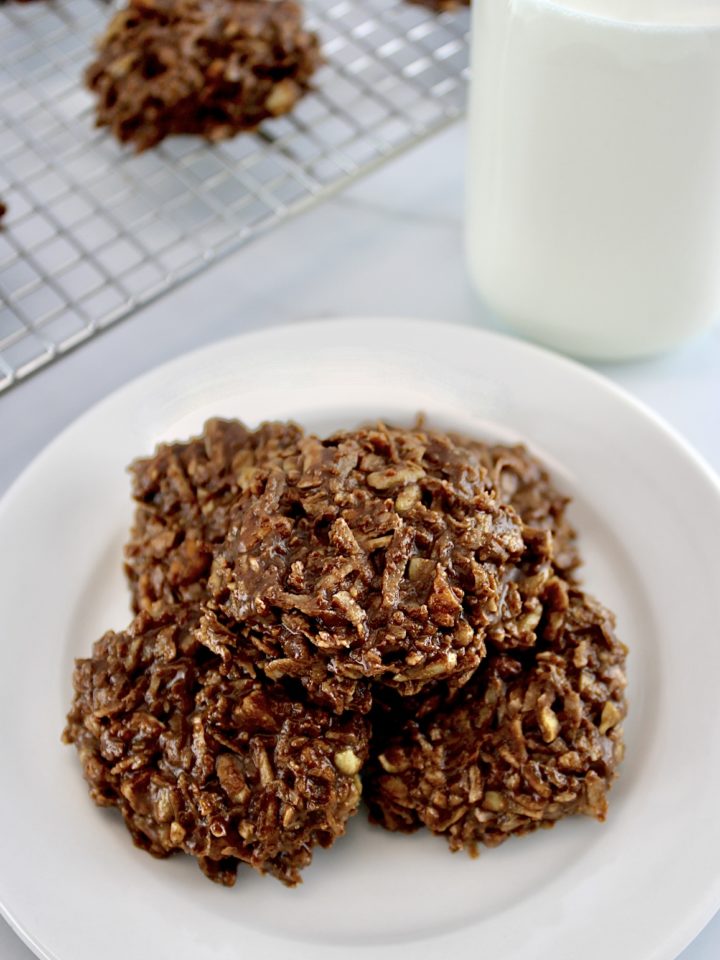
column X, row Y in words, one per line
column 392, row 245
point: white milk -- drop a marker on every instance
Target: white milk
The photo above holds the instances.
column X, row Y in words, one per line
column 594, row 176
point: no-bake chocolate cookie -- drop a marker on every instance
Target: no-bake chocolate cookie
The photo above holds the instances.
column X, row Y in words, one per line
column 442, row 6
column 207, row 67
column 201, row 757
column 373, row 555
column 535, row 736
column 184, row 494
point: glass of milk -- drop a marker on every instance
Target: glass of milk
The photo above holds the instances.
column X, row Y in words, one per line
column 593, row 219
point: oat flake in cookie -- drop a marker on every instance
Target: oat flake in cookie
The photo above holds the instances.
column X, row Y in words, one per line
column 207, row 67
column 377, row 555
column 201, row 757
column 535, row 736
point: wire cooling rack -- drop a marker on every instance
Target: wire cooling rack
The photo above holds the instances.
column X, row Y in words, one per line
column 93, row 230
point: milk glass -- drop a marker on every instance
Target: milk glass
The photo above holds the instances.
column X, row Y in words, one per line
column 593, row 217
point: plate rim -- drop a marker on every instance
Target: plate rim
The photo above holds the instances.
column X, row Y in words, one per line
column 563, row 361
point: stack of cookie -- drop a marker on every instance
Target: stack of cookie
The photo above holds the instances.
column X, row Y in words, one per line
column 385, row 613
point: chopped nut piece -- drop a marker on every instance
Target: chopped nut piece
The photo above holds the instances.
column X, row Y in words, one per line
column 267, row 774
column 475, row 784
column 247, row 830
column 611, row 715
column 429, row 670
column 463, row 633
column 408, row 497
column 122, row 66
column 177, row 833
column 394, row 477
column 549, row 724
column 163, row 805
column 570, row 761
column 348, row 762
column 531, row 619
column 229, row 769
column 417, row 568
column 393, row 762
column 283, row 97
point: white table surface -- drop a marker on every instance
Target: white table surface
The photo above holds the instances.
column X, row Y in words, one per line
column 391, row 245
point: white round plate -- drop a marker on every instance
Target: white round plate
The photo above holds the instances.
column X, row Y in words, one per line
column 638, row 887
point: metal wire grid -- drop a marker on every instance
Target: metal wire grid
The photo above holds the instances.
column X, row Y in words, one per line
column 93, row 231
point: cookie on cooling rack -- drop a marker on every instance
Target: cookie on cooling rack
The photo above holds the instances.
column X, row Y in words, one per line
column 206, row 67
column 442, row 6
